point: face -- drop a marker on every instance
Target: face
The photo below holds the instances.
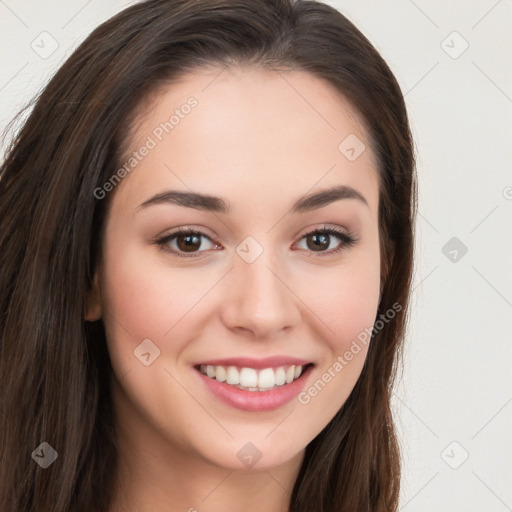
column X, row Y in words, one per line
column 257, row 285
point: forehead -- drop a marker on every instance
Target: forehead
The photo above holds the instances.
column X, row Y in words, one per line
column 218, row 131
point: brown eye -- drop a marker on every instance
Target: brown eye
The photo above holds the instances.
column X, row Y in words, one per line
column 187, row 242
column 319, row 241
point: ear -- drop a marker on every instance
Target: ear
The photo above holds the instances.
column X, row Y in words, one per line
column 93, row 309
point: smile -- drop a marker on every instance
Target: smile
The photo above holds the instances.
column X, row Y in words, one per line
column 251, row 379
column 252, row 385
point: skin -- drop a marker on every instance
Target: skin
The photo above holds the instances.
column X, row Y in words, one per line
column 260, row 139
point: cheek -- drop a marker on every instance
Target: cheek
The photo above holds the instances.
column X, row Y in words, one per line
column 140, row 302
column 344, row 302
column 134, row 298
column 344, row 298
column 354, row 306
column 145, row 298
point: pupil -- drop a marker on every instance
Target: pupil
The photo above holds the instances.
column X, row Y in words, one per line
column 324, row 243
column 188, row 244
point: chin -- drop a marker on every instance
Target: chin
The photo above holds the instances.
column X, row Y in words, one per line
column 246, row 455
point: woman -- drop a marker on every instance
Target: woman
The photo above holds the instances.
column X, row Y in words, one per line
column 207, row 239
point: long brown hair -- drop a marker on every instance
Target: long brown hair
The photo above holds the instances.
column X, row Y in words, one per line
column 54, row 367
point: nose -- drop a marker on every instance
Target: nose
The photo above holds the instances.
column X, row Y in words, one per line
column 260, row 300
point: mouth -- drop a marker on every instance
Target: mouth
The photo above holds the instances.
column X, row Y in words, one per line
column 254, row 389
column 252, row 379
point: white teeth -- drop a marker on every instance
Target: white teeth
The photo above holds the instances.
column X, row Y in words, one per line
column 290, row 374
column 266, row 378
column 248, row 378
column 220, row 373
column 233, row 377
column 280, row 376
column 251, row 379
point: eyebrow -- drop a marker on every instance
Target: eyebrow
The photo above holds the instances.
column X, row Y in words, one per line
column 209, row 203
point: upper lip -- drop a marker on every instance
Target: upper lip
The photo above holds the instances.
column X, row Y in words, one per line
column 249, row 362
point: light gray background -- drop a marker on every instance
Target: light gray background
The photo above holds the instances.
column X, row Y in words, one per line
column 455, row 396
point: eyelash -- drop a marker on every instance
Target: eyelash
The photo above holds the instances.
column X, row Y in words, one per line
column 347, row 240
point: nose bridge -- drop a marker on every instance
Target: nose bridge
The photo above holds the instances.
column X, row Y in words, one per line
column 259, row 299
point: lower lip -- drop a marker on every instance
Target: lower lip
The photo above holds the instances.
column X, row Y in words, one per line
column 256, row 401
